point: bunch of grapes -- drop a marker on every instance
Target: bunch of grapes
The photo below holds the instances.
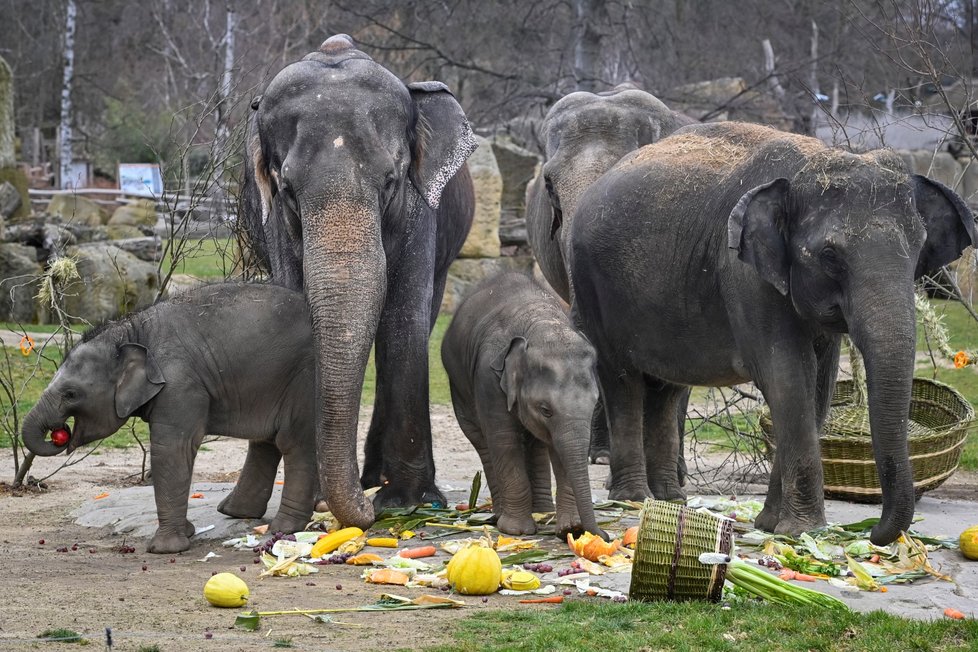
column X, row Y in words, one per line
column 769, row 562
column 575, row 567
column 270, row 543
column 335, row 558
column 538, row 568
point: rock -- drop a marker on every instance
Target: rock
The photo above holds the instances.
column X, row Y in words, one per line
column 123, row 231
column 46, row 238
column 148, row 248
column 20, row 277
column 141, row 212
column 969, row 182
column 16, row 177
column 76, row 209
column 483, row 240
column 939, row 166
column 9, row 201
column 112, row 282
column 517, row 167
column 467, row 272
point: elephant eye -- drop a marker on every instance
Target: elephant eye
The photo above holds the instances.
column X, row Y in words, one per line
column 832, row 262
column 545, row 410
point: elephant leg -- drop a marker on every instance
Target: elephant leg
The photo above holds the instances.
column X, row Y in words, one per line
column 600, row 452
column 474, row 434
column 623, row 395
column 662, row 438
column 515, row 509
column 298, row 494
column 538, row 469
column 250, row 495
column 373, row 450
column 173, row 446
column 789, row 385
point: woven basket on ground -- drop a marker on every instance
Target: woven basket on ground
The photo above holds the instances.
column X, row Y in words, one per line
column 939, row 421
column 671, row 538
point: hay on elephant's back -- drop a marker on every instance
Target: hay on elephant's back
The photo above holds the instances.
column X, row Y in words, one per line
column 694, row 150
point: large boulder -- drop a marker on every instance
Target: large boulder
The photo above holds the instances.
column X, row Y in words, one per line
column 468, row 272
column 517, row 167
column 483, row 240
column 76, row 209
column 939, row 166
column 16, row 177
column 112, row 282
column 123, row 231
column 141, row 212
column 20, row 277
column 46, row 238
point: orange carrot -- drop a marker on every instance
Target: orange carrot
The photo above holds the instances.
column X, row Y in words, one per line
column 788, row 574
column 197, row 495
column 418, row 553
column 875, row 559
column 953, row 613
column 557, row 599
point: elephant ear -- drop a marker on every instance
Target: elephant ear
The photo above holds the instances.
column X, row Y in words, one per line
column 509, row 367
column 257, row 189
column 756, row 230
column 949, row 222
column 140, row 379
column 443, row 139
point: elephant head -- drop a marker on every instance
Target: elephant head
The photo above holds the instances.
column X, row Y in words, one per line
column 101, row 383
column 844, row 240
column 552, row 387
column 586, row 134
column 341, row 155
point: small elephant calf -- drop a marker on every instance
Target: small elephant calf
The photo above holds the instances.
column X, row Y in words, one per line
column 228, row 359
column 524, row 389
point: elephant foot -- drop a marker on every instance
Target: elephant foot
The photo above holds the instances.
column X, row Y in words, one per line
column 668, row 492
column 794, row 526
column 189, row 529
column 543, row 505
column 600, row 456
column 634, row 493
column 166, row 543
column 288, row 523
column 767, row 520
column 516, row 525
column 391, row 495
column 236, row 506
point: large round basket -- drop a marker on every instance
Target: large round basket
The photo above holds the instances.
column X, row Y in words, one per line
column 939, row 422
column 671, row 538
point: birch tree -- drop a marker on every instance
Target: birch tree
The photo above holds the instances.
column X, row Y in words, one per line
column 69, row 73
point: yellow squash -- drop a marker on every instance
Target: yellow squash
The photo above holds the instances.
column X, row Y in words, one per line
column 519, row 580
column 475, row 570
column 226, row 590
column 968, row 542
column 334, row 540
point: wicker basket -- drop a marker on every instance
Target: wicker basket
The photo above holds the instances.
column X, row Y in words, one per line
column 939, row 421
column 671, row 538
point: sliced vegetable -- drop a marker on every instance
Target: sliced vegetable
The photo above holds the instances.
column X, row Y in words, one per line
column 333, row 540
column 382, row 542
column 364, row 559
column 387, row 576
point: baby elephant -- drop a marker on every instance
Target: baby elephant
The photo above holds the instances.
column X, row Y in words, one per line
column 524, row 388
column 227, row 359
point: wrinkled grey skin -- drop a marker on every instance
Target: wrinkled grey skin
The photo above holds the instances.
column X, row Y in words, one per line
column 226, row 359
column 748, row 252
column 524, row 388
column 586, row 134
column 356, row 191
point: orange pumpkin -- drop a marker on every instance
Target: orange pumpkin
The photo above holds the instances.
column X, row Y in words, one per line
column 630, row 538
column 591, row 546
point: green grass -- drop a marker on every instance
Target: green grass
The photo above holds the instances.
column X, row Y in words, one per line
column 964, row 335
column 701, row 627
column 208, row 258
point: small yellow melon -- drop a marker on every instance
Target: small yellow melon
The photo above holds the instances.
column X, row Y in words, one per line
column 968, row 542
column 226, row 590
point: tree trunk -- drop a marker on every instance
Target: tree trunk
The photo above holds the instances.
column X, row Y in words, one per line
column 587, row 44
column 64, row 178
column 813, row 80
column 220, row 152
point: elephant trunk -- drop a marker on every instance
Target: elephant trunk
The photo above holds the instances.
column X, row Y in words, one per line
column 885, row 335
column 43, row 418
column 345, row 275
column 571, row 445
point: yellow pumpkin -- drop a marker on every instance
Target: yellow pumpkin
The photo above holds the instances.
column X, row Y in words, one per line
column 519, row 580
column 630, row 537
column 475, row 570
column 226, row 590
column 968, row 542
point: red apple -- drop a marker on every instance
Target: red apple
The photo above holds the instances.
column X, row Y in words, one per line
column 60, row 437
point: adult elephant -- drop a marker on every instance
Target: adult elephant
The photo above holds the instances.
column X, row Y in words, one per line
column 356, row 191
column 586, row 134
column 747, row 252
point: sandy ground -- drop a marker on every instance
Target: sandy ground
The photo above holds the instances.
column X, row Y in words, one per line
column 151, row 599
